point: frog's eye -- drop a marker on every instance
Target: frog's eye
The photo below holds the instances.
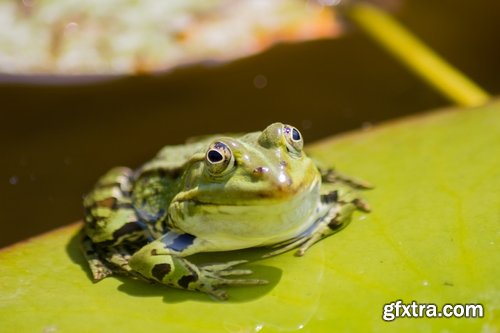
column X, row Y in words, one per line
column 219, row 158
column 294, row 142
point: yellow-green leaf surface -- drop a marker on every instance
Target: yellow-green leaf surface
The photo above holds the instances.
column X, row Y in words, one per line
column 433, row 237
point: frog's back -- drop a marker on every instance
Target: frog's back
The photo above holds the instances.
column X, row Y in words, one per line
column 173, row 158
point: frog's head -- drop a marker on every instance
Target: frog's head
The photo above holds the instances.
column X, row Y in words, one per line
column 255, row 169
column 248, row 180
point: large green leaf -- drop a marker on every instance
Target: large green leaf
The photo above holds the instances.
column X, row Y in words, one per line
column 433, row 236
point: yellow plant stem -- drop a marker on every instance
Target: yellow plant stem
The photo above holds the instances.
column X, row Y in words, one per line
column 416, row 55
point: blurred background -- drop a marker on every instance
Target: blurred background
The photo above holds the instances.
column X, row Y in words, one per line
column 58, row 138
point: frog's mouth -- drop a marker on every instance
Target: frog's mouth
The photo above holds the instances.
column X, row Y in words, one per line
column 260, row 190
column 253, row 197
column 247, row 223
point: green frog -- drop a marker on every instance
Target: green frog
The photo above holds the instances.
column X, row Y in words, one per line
column 219, row 193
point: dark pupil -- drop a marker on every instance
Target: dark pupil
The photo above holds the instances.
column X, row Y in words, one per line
column 214, row 156
column 295, row 135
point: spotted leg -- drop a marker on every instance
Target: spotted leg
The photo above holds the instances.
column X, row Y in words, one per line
column 109, row 220
column 162, row 261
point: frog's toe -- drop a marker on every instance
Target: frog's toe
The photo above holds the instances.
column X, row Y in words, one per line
column 211, row 284
column 310, row 241
column 285, row 248
column 100, row 271
column 222, row 280
column 217, row 293
column 223, row 266
column 362, row 205
column 211, row 290
column 236, row 272
column 218, row 272
column 241, row 282
column 300, row 252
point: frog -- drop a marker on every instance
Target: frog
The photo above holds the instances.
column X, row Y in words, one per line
column 217, row 193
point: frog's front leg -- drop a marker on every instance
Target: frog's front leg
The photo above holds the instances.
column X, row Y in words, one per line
column 162, row 261
column 338, row 203
column 335, row 220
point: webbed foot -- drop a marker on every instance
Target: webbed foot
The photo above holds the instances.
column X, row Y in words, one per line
column 157, row 263
column 215, row 275
column 97, row 266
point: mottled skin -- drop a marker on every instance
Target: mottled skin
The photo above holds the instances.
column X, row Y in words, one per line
column 217, row 194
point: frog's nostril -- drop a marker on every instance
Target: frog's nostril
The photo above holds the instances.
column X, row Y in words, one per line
column 260, row 170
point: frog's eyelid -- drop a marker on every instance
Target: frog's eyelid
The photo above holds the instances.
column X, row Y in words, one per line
column 296, row 136
column 219, row 158
column 293, row 139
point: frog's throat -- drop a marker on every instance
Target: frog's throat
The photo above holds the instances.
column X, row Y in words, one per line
column 231, row 227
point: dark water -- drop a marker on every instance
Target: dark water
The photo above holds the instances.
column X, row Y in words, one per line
column 56, row 140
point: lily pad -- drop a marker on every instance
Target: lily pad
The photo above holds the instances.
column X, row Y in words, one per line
column 433, row 237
